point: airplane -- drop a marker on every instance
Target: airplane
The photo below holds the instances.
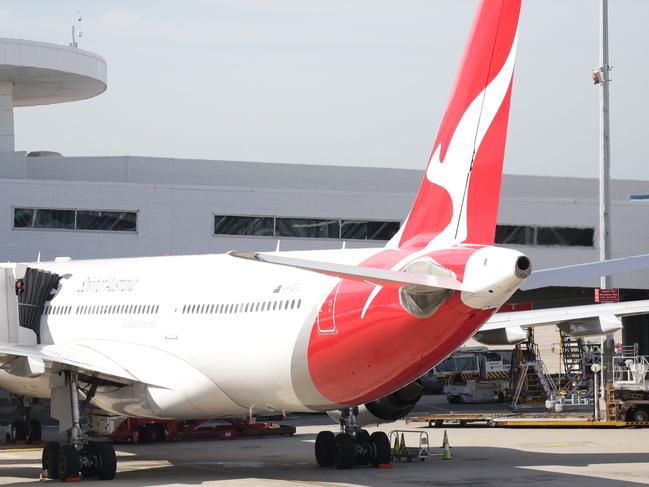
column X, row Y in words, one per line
column 348, row 331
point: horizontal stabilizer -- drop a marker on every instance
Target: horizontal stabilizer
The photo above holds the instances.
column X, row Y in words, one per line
column 573, row 274
column 382, row 277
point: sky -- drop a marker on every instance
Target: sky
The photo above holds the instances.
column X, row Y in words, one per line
column 343, row 82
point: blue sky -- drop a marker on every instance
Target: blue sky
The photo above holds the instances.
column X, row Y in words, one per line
column 355, row 82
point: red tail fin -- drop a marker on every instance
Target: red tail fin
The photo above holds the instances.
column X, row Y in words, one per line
column 458, row 197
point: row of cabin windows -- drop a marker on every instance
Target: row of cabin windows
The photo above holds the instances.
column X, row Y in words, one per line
column 103, row 309
column 259, row 306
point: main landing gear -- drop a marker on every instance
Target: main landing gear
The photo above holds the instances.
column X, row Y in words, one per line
column 352, row 446
column 78, row 456
column 27, row 429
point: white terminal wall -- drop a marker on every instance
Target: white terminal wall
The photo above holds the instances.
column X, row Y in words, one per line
column 176, row 199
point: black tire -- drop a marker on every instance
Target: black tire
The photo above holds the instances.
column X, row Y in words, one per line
column 640, row 416
column 325, row 445
column 50, row 460
column 107, row 460
column 68, row 462
column 35, row 431
column 345, row 451
column 363, row 441
column 380, row 451
column 18, row 431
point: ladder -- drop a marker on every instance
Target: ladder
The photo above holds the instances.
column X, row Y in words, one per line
column 573, row 359
column 534, row 384
column 530, row 380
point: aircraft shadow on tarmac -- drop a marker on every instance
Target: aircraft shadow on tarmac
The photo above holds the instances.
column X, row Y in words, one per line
column 193, row 463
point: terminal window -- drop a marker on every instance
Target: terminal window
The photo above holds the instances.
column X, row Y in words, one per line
column 546, row 236
column 330, row 228
column 50, row 218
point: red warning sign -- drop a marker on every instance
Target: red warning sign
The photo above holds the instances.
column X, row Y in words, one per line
column 607, row 295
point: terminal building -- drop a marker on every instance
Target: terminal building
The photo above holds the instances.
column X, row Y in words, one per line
column 123, row 206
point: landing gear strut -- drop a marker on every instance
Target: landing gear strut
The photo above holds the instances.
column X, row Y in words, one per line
column 77, row 457
column 27, row 429
column 352, row 446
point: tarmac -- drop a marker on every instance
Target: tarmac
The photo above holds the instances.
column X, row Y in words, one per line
column 480, row 457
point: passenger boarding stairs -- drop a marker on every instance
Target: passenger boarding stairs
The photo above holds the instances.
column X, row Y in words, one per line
column 531, row 381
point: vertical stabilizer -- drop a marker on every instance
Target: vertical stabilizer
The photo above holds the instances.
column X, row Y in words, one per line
column 458, row 198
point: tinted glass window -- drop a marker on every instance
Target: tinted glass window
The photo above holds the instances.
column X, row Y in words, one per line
column 116, row 221
column 515, row 234
column 54, row 219
column 260, row 226
column 353, row 229
column 23, row 217
column 382, row 230
column 307, row 228
column 565, row 236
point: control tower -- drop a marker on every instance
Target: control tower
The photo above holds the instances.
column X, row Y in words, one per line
column 39, row 73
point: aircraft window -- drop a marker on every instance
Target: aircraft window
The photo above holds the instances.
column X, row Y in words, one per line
column 293, row 304
column 139, row 309
column 286, row 304
column 299, row 303
column 274, row 305
column 236, row 308
column 157, row 307
column 257, row 306
column 204, row 308
column 247, row 305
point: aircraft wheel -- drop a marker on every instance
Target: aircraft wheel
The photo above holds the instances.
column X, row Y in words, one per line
column 50, row 460
column 345, row 451
column 363, row 447
column 18, row 431
column 68, row 462
column 107, row 460
column 325, row 446
column 380, row 448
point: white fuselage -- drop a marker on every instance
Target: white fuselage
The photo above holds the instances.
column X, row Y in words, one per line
column 217, row 332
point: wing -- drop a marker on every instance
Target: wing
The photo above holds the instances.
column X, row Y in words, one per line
column 382, row 277
column 587, row 320
column 35, row 360
column 577, row 273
